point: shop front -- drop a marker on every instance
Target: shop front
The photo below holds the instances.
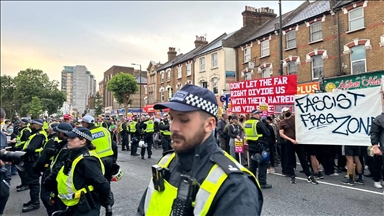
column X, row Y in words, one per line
column 149, row 109
column 350, row 82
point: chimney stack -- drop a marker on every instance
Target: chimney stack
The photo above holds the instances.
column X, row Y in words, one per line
column 171, row 53
column 200, row 41
column 257, row 16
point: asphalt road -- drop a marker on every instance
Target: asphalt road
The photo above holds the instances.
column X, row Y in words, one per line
column 302, row 198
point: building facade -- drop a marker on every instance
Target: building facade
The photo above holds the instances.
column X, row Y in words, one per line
column 320, row 39
column 78, row 83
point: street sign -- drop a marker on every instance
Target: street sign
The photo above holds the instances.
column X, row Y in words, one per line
column 222, row 99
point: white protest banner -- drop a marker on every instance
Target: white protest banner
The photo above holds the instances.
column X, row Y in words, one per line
column 337, row 118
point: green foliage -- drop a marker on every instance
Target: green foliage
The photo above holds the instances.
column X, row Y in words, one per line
column 98, row 104
column 7, row 98
column 35, row 108
column 122, row 86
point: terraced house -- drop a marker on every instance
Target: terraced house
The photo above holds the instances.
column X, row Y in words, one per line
column 320, row 39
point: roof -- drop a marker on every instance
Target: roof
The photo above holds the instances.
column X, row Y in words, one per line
column 342, row 3
column 313, row 9
column 188, row 55
column 169, row 63
column 217, row 43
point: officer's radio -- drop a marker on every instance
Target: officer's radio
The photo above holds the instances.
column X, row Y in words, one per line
column 186, row 194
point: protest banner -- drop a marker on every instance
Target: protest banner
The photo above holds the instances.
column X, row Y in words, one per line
column 239, row 146
column 308, row 88
column 337, row 118
column 350, row 82
column 247, row 95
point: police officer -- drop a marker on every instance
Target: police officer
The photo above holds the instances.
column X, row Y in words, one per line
column 80, row 183
column 32, row 148
column 124, row 136
column 199, row 171
column 256, row 134
column 165, row 134
column 134, row 131
column 148, row 128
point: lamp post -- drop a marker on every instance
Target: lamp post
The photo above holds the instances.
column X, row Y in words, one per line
column 281, row 40
column 126, row 111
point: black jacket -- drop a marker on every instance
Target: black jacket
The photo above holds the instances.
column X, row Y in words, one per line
column 36, row 143
column 164, row 125
column 238, row 195
column 377, row 131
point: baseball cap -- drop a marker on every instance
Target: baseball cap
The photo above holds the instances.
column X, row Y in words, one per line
column 256, row 111
column 67, row 116
column 285, row 109
column 88, row 119
column 37, row 121
column 79, row 132
column 62, row 127
column 192, row 98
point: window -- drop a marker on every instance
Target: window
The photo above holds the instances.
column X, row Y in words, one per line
column 170, row 93
column 358, row 59
column 292, row 67
column 317, row 67
column 145, row 90
column 214, row 60
column 248, row 76
column 266, row 72
column 168, row 75
column 162, row 77
column 247, row 54
column 189, row 69
column 290, row 38
column 162, row 96
column 179, row 72
column 316, row 31
column 215, row 83
column 356, row 19
column 203, row 84
column 264, row 48
column 202, row 64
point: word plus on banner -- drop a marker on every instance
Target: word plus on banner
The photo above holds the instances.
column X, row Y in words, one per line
column 337, row 118
column 249, row 94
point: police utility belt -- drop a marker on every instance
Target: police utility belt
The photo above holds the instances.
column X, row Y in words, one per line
column 186, row 193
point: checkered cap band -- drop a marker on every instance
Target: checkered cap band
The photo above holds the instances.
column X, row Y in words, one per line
column 201, row 103
column 82, row 134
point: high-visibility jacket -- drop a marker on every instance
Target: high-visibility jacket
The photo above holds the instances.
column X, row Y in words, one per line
column 65, row 185
column 96, row 124
column 18, row 138
column 132, row 127
column 150, row 126
column 251, row 130
column 165, row 132
column 45, row 125
column 121, row 127
column 55, row 139
column 160, row 203
column 42, row 132
column 103, row 141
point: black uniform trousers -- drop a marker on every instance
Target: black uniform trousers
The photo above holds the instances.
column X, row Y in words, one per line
column 33, row 180
column 148, row 138
column 134, row 143
column 253, row 148
column 378, row 168
column 166, row 143
column 23, row 177
column 108, row 163
column 300, row 151
column 45, row 195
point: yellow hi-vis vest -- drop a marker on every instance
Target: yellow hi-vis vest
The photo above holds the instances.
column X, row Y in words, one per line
column 165, row 132
column 68, row 193
column 160, row 203
column 250, row 130
column 42, row 132
column 18, row 138
column 45, row 125
column 150, row 126
column 103, row 141
column 54, row 160
column 56, row 140
column 132, row 127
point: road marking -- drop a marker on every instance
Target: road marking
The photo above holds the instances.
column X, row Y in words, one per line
column 336, row 185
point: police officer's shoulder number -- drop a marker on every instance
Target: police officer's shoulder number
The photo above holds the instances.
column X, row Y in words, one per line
column 228, row 166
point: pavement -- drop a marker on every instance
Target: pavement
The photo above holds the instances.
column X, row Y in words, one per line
column 329, row 197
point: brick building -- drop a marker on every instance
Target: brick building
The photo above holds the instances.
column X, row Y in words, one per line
column 320, row 39
column 151, row 87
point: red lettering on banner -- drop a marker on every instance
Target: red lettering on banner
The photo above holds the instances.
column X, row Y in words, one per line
column 249, row 94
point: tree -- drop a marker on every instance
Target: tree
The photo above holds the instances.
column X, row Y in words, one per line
column 34, row 82
column 35, row 108
column 7, row 98
column 98, row 104
column 122, row 86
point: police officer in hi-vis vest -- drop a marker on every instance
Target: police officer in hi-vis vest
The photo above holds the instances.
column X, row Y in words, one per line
column 198, row 178
column 148, row 128
column 134, row 131
column 256, row 134
column 165, row 134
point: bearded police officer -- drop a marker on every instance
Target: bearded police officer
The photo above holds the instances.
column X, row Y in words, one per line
column 199, row 178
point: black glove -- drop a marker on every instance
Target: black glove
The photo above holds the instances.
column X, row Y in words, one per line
column 108, row 210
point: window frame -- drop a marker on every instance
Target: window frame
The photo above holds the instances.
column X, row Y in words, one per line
column 311, row 32
column 288, row 67
column 362, row 17
column 264, row 49
column 168, row 75
column 353, row 61
column 162, row 77
column 179, row 72
column 213, row 61
column 248, row 76
column 266, row 69
column 312, row 68
column 217, row 85
column 287, row 40
column 202, row 64
column 162, row 97
column 189, row 69
column 247, row 56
